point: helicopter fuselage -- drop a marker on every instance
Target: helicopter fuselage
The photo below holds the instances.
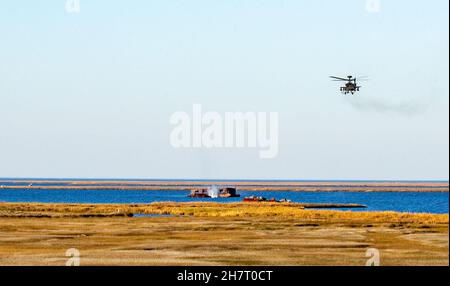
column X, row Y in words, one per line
column 350, row 84
column 350, row 87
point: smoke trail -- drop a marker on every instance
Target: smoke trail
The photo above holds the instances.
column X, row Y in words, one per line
column 381, row 105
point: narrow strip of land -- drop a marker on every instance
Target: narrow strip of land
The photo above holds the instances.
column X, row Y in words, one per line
column 361, row 186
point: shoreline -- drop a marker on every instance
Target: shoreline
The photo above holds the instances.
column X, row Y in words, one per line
column 186, row 185
column 204, row 209
column 253, row 189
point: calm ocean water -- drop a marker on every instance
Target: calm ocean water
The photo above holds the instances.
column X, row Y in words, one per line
column 417, row 202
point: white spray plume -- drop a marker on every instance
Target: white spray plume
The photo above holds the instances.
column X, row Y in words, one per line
column 213, row 192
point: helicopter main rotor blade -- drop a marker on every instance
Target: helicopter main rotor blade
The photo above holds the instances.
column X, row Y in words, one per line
column 339, row 78
column 363, row 78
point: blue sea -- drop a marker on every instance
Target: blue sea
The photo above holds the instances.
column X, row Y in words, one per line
column 414, row 202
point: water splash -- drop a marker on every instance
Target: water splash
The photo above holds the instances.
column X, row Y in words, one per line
column 213, row 192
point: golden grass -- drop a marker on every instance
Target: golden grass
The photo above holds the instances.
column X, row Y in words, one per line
column 216, row 234
column 200, row 209
column 193, row 240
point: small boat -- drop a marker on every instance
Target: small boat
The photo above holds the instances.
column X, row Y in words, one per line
column 228, row 192
column 224, row 192
column 263, row 199
column 199, row 193
column 254, row 199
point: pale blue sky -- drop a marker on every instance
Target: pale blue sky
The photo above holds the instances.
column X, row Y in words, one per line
column 90, row 94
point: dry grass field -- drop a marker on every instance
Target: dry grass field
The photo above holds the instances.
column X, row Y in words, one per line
column 215, row 234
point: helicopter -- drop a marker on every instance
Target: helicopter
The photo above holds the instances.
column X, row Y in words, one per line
column 350, row 85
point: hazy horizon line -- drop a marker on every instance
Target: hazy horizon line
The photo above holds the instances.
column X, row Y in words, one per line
column 224, row 180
